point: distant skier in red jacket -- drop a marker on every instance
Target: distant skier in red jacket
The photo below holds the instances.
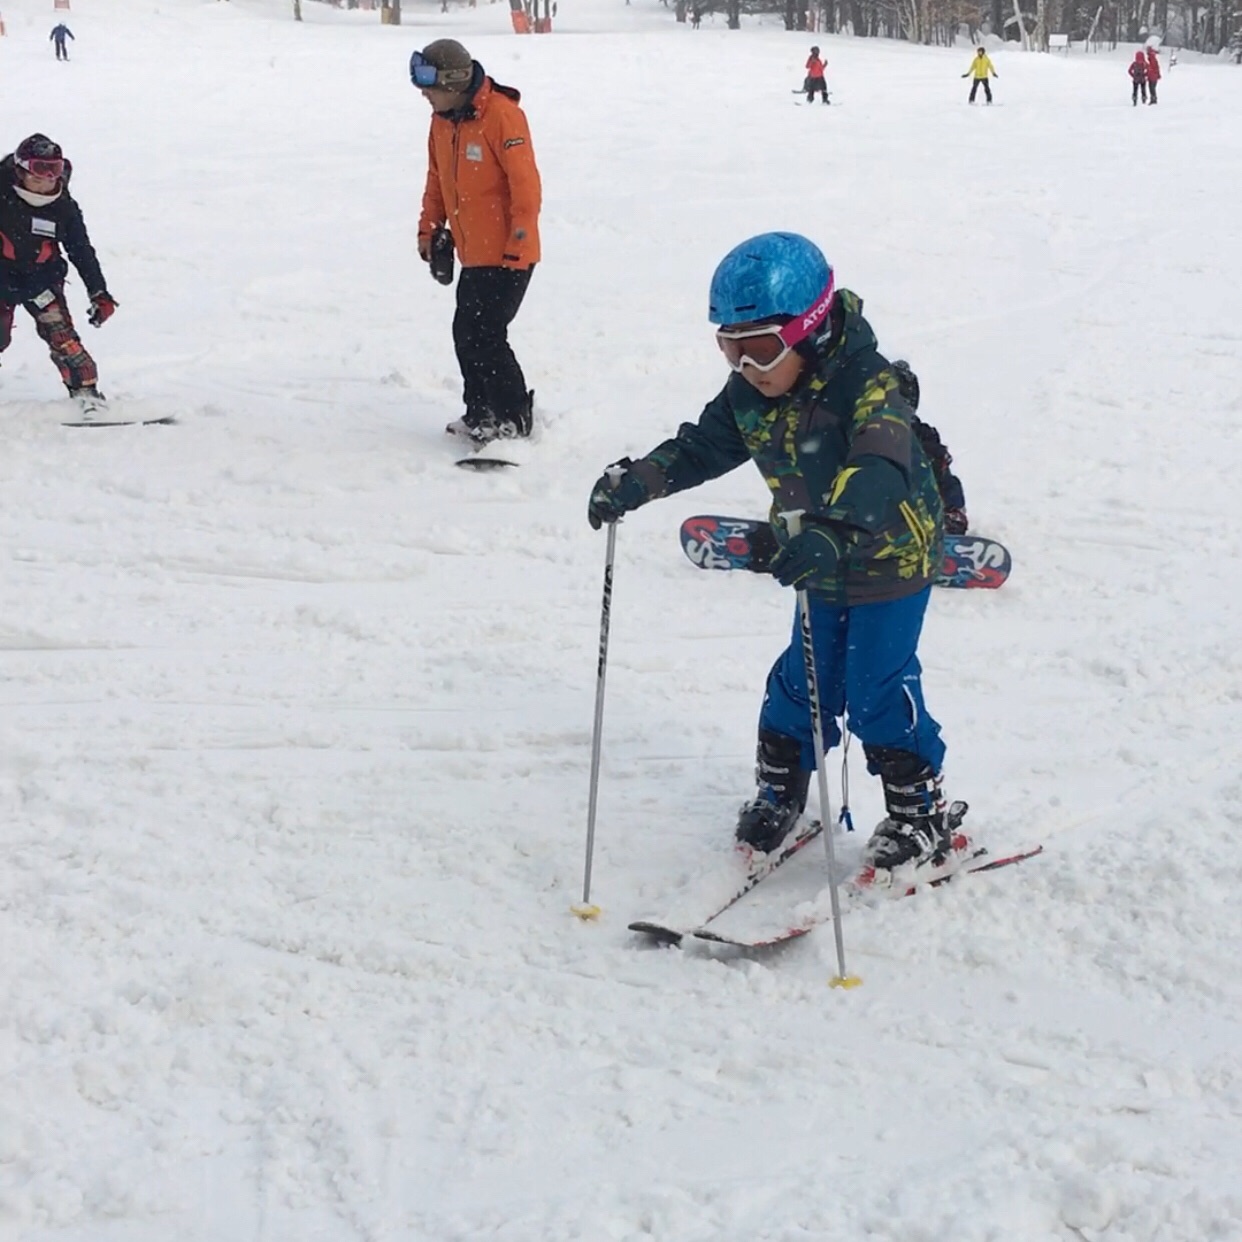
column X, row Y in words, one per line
column 1153, row 74
column 815, row 81
column 1138, row 76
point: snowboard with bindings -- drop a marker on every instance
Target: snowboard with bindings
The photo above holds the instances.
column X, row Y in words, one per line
column 971, row 562
column 97, row 412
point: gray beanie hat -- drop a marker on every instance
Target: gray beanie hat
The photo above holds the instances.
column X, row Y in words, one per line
column 454, row 63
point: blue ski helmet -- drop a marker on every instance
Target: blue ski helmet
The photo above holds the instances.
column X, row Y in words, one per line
column 772, row 275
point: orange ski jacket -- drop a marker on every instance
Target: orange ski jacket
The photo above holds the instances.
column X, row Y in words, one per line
column 482, row 181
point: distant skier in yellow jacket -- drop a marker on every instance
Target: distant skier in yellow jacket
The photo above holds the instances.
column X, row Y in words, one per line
column 979, row 69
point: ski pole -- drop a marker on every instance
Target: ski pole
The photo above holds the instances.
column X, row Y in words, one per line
column 584, row 909
column 842, row 979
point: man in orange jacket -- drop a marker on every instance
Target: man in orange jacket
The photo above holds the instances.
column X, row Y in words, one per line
column 482, row 182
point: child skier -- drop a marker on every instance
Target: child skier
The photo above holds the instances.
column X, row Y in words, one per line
column 815, row 82
column 1138, row 78
column 979, row 69
column 820, row 412
column 37, row 216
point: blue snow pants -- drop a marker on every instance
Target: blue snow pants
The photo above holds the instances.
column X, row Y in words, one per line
column 868, row 669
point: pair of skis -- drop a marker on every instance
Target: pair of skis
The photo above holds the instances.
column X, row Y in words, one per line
column 860, row 889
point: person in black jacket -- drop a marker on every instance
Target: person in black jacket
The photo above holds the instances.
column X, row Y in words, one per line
column 38, row 217
column 58, row 36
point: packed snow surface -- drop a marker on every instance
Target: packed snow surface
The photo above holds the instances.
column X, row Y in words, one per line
column 297, row 716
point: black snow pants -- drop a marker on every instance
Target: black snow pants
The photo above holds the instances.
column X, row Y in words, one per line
column 488, row 298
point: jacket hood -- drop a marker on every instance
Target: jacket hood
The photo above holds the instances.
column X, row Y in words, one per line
column 855, row 334
column 475, row 96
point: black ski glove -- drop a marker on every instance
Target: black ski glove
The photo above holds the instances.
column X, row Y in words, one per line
column 810, row 559
column 617, row 491
column 440, row 255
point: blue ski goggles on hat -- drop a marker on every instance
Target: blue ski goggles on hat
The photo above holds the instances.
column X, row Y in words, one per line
column 425, row 75
column 422, row 72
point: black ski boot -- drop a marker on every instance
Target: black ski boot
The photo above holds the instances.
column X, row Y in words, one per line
column 916, row 830
column 767, row 819
column 526, row 416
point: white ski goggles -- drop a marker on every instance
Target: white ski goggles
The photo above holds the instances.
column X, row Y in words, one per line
column 765, row 346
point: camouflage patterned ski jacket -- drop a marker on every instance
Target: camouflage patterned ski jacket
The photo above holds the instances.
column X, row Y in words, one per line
column 840, row 447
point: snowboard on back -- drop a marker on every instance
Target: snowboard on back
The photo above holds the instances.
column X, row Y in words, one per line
column 712, row 542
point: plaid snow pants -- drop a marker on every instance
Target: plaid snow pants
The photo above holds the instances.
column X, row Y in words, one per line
column 54, row 324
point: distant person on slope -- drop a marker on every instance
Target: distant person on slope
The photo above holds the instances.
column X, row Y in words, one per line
column 482, row 181
column 1153, row 74
column 817, row 408
column 816, row 82
column 979, row 69
column 58, row 36
column 1138, row 77
column 38, row 216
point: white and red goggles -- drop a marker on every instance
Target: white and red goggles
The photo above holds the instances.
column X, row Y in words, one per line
column 765, row 345
column 39, row 167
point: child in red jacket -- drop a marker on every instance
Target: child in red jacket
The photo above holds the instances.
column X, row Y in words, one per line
column 1153, row 74
column 815, row 82
column 1138, row 76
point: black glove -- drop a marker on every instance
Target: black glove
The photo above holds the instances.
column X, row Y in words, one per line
column 103, row 306
column 616, row 492
column 955, row 522
column 440, row 255
column 814, row 553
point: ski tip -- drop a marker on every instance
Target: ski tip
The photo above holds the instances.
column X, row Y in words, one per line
column 585, row 911
column 845, row 981
column 480, row 464
column 659, row 933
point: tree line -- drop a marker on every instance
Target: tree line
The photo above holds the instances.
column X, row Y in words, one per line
column 1206, row 27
